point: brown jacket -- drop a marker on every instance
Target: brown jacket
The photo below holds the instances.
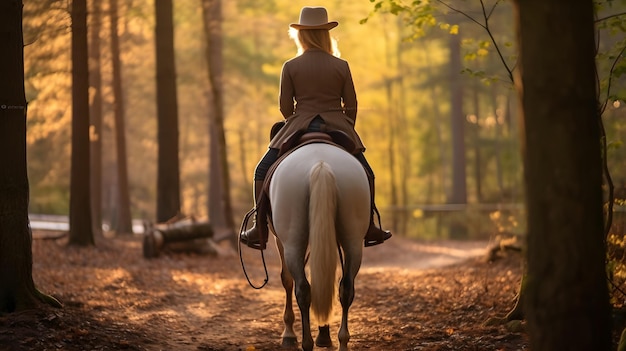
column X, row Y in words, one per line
column 317, row 83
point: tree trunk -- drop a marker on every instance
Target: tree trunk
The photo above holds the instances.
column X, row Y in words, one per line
column 403, row 133
column 392, row 122
column 212, row 18
column 168, row 174
column 215, row 210
column 124, row 221
column 566, row 301
column 500, row 115
column 17, row 289
column 475, row 128
column 81, row 231
column 434, row 195
column 391, row 151
column 95, row 114
column 458, row 230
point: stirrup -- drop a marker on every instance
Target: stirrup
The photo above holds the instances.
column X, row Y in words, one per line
column 244, row 235
column 378, row 233
column 381, row 236
column 252, row 243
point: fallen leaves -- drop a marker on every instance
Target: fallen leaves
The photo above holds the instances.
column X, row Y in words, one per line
column 115, row 299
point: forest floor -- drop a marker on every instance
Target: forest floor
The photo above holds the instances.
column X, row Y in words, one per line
column 410, row 295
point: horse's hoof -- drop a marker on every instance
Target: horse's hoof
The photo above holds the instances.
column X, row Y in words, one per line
column 323, row 338
column 289, row 343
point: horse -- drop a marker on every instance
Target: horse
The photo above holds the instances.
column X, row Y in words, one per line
column 320, row 200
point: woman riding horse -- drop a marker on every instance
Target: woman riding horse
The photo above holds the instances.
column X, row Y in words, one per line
column 316, row 94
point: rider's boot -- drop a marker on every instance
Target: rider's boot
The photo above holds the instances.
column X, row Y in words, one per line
column 375, row 235
column 252, row 236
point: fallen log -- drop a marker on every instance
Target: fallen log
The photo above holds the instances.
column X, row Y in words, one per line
column 183, row 236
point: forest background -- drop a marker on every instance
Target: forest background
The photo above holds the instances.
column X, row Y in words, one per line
column 434, row 170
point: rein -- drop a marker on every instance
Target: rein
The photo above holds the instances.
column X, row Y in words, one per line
column 244, row 224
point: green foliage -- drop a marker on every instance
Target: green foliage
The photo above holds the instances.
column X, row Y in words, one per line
column 458, row 18
column 481, row 75
column 611, row 26
column 419, row 16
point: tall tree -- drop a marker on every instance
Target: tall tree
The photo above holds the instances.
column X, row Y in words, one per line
column 81, row 231
column 458, row 194
column 566, row 301
column 123, row 222
column 17, row 289
column 95, row 115
column 168, row 173
column 212, row 19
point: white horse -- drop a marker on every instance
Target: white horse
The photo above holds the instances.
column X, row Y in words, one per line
column 320, row 202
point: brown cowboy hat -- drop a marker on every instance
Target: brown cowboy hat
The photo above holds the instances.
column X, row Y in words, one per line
column 314, row 18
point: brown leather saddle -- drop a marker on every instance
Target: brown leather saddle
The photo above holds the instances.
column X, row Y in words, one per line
column 295, row 141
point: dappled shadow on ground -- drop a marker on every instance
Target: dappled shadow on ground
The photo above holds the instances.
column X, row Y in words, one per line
column 410, row 296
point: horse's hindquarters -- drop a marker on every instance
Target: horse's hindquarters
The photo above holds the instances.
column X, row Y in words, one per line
column 320, row 199
column 293, row 177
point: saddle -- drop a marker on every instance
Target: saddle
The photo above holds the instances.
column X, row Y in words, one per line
column 295, row 141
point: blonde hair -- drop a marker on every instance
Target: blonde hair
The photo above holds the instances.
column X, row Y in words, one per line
column 314, row 38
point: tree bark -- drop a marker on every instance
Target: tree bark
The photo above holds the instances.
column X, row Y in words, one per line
column 124, row 221
column 458, row 230
column 475, row 128
column 95, row 114
column 81, row 231
column 212, row 18
column 17, row 289
column 392, row 122
column 168, row 174
column 500, row 115
column 566, row 301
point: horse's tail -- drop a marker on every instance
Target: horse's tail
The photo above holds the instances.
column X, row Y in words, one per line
column 322, row 240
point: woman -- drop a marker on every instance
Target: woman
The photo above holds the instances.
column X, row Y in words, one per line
column 316, row 93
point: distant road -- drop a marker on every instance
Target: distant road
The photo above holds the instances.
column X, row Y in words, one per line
column 61, row 223
column 49, row 222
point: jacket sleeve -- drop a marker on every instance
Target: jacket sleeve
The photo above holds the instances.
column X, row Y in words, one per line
column 286, row 93
column 349, row 96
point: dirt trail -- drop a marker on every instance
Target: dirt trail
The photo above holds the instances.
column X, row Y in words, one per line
column 410, row 296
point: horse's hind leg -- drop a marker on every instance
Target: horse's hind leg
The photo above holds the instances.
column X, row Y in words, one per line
column 289, row 339
column 346, row 294
column 303, row 296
